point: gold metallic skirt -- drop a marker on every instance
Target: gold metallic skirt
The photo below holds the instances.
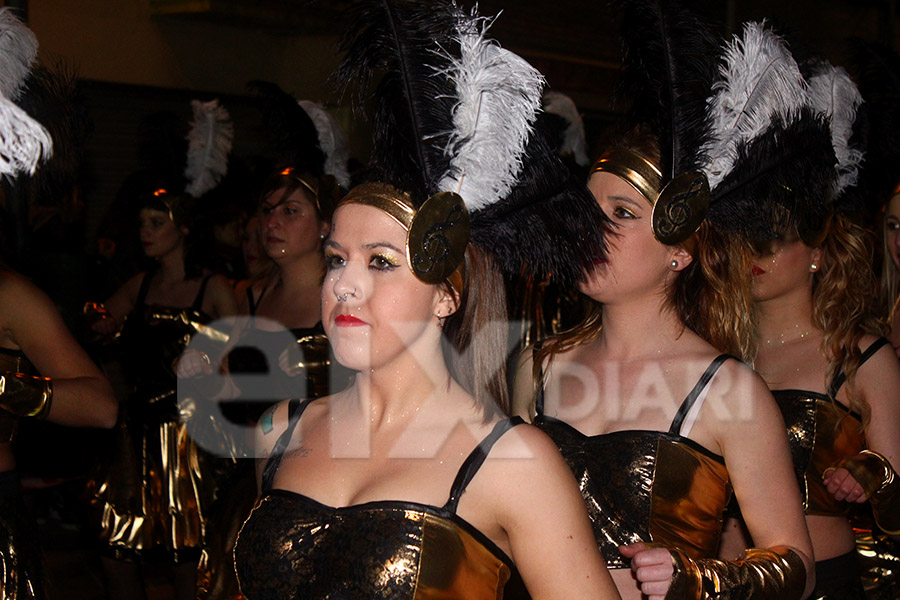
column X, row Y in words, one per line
column 879, row 558
column 20, row 556
column 153, row 497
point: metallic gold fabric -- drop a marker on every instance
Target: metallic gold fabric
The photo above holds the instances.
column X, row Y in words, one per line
column 20, row 555
column 13, row 361
column 774, row 574
column 879, row 561
column 645, row 486
column 26, row 395
column 152, row 497
column 821, row 433
column 292, row 547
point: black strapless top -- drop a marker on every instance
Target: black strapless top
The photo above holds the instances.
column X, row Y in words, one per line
column 293, row 547
column 821, row 431
column 152, row 338
column 647, row 486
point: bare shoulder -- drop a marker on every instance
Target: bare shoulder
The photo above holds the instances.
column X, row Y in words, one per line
column 525, row 457
column 276, row 420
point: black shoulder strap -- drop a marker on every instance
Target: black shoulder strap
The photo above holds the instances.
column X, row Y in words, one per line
column 142, row 291
column 840, row 377
column 539, row 398
column 295, row 411
column 475, row 459
column 251, row 302
column 685, row 408
column 198, row 300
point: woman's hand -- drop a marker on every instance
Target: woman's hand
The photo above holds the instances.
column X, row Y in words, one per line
column 653, row 568
column 841, row 484
column 192, row 364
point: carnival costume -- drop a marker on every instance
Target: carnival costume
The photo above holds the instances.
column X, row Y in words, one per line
column 458, row 159
column 294, row 547
column 648, row 486
column 156, row 491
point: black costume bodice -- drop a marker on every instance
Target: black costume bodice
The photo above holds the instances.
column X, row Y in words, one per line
column 821, row 431
column 293, row 547
column 647, row 486
column 152, row 338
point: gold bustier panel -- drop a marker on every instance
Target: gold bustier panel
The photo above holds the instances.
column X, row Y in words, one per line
column 820, row 432
column 294, row 547
column 646, row 486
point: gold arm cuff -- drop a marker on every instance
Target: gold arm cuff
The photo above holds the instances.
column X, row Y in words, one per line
column 773, row 573
column 25, row 395
column 881, row 485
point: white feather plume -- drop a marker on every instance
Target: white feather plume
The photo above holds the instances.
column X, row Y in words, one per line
column 18, row 49
column 761, row 79
column 499, row 97
column 331, row 140
column 833, row 94
column 209, row 145
column 23, row 141
column 574, row 142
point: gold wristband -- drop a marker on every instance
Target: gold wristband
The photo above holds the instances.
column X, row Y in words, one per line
column 25, row 395
column 772, row 573
column 881, row 485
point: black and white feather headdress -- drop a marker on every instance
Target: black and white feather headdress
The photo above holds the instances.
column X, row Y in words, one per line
column 459, row 116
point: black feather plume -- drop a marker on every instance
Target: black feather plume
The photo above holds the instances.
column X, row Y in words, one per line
column 669, row 70
column 753, row 198
column 290, row 130
column 414, row 104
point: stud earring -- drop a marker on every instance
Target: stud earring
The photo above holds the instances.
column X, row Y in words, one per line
column 813, row 267
column 674, row 264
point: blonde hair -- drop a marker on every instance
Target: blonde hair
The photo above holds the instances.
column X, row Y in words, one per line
column 844, row 307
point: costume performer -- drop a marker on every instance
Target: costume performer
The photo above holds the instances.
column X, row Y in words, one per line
column 44, row 373
column 657, row 424
column 403, row 279
column 813, row 284
column 152, row 500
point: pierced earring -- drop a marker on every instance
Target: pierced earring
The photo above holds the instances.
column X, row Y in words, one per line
column 674, row 264
column 813, row 267
column 321, row 236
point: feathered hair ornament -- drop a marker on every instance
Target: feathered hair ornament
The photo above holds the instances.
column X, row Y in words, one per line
column 209, row 144
column 573, row 142
column 23, row 141
column 668, row 72
column 459, row 151
column 331, row 141
column 834, row 95
column 769, row 150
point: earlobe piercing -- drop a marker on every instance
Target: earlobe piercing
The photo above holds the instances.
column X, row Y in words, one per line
column 674, row 264
column 813, row 267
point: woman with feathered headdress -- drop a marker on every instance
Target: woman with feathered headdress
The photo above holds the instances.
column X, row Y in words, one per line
column 396, row 487
column 819, row 344
column 644, row 397
column 151, row 501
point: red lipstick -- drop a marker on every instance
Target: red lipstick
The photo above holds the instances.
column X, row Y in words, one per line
column 348, row 321
column 757, row 271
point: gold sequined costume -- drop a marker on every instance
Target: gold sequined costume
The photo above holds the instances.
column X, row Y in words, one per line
column 293, row 547
column 153, row 495
column 647, row 486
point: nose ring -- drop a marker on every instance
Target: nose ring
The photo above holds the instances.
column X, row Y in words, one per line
column 344, row 297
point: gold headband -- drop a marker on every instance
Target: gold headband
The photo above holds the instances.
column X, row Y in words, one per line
column 436, row 233
column 679, row 207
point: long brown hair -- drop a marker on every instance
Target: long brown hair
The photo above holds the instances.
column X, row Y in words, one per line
column 844, row 307
column 476, row 337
